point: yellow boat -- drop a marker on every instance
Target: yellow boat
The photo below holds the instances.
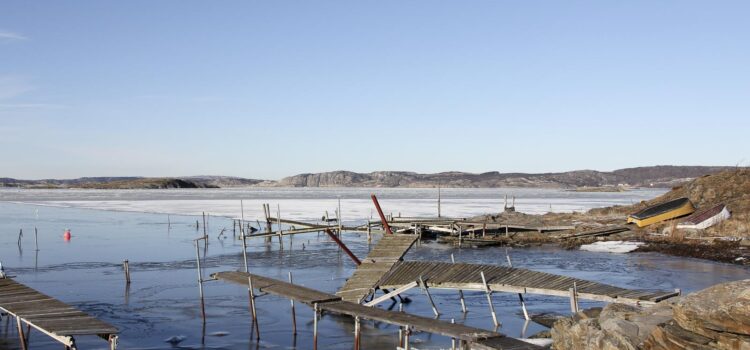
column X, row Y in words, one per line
column 661, row 212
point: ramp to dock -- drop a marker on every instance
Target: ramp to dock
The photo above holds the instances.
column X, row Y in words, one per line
column 514, row 280
column 335, row 304
column 50, row 316
column 378, row 263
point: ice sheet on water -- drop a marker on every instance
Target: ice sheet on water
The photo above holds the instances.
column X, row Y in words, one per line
column 312, row 203
column 612, row 247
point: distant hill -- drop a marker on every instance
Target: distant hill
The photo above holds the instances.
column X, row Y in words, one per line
column 655, row 176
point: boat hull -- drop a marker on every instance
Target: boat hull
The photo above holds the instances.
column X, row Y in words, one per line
column 683, row 208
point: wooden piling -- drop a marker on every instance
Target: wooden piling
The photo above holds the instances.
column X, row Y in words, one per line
column 429, row 297
column 36, row 238
column 574, row 298
column 126, row 267
column 357, row 330
column 200, row 279
column 278, row 223
column 242, row 232
column 520, row 295
column 294, row 315
column 315, row 326
column 254, row 313
column 489, row 299
column 460, row 292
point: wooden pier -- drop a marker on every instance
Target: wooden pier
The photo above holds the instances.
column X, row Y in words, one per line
column 50, row 316
column 381, row 259
column 335, row 304
column 445, row 275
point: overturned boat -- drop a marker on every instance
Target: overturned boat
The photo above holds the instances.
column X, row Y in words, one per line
column 662, row 212
column 703, row 219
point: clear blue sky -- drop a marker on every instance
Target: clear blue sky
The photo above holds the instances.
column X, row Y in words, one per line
column 274, row 88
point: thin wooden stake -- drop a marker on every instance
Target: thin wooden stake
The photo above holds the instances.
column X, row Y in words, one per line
column 242, row 232
column 126, row 267
column 460, row 292
column 200, row 279
column 22, row 338
column 489, row 299
column 36, row 238
column 278, row 223
column 315, row 326
column 294, row 315
column 520, row 295
column 429, row 297
column 357, row 330
column 252, row 306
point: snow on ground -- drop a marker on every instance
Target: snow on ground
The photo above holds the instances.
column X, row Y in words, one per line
column 612, row 247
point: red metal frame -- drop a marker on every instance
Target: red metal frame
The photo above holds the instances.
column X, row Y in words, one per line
column 382, row 216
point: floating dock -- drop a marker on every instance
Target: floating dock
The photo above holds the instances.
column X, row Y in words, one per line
column 50, row 316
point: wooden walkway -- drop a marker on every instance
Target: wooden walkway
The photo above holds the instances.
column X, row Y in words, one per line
column 50, row 316
column 514, row 280
column 381, row 259
column 335, row 304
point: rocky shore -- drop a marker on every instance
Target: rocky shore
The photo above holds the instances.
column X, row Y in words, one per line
column 714, row 318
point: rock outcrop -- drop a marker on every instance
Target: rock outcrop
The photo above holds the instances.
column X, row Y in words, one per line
column 715, row 318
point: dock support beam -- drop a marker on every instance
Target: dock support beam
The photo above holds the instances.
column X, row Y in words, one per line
column 294, row 315
column 520, row 295
column 382, row 216
column 252, row 307
column 357, row 330
column 574, row 298
column 460, row 292
column 315, row 326
column 429, row 297
column 489, row 299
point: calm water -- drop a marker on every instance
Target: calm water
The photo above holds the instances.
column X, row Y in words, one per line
column 162, row 300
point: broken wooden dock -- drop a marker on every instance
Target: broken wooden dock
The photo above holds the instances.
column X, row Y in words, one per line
column 335, row 304
column 381, row 259
column 445, row 275
column 50, row 316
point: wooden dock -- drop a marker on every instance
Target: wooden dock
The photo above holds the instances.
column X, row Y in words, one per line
column 378, row 263
column 50, row 316
column 335, row 304
column 443, row 275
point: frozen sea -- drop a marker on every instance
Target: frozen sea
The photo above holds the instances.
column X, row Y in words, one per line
column 162, row 300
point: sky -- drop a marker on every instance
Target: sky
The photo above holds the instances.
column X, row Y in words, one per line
column 267, row 89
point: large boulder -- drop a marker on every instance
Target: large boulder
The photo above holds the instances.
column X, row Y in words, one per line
column 717, row 318
column 618, row 326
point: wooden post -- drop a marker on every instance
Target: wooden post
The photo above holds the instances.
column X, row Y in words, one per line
column 357, row 330
column 460, row 235
column 20, row 235
column 439, row 199
column 242, row 232
column 407, row 332
column 339, row 215
column 520, row 295
column 200, row 279
column 126, row 267
column 369, row 232
column 489, row 299
column 460, row 292
column 294, row 315
column 453, row 340
column 252, row 306
column 169, row 223
column 21, row 336
column 429, row 297
column 278, row 223
column 36, row 238
column 315, row 326
column 573, row 298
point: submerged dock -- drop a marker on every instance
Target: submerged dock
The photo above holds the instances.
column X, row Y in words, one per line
column 49, row 316
column 335, row 304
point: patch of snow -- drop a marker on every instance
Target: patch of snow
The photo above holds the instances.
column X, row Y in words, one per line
column 612, row 247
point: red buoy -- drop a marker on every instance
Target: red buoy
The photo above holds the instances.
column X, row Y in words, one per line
column 66, row 235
